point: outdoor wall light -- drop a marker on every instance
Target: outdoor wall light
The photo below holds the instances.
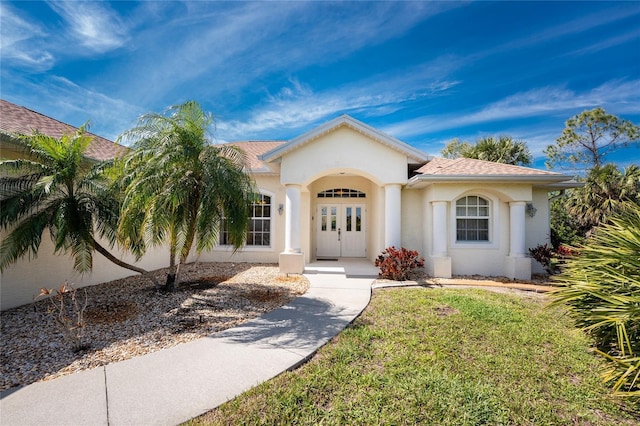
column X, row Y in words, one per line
column 531, row 211
column 280, row 208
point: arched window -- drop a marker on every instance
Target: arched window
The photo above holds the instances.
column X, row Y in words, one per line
column 472, row 219
column 259, row 234
column 341, row 193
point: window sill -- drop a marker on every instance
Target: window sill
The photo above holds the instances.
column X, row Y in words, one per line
column 244, row 248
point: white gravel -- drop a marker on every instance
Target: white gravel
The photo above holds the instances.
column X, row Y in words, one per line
column 127, row 318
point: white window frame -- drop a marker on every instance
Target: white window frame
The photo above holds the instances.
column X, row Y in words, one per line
column 494, row 237
column 252, row 248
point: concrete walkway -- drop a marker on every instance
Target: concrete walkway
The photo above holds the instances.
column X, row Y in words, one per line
column 173, row 385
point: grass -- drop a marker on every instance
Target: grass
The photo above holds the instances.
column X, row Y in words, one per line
column 445, row 357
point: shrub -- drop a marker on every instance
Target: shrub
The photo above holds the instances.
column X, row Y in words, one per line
column 544, row 255
column 601, row 287
column 396, row 264
column 551, row 259
column 66, row 307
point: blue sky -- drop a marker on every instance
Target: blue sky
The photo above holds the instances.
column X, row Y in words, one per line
column 424, row 72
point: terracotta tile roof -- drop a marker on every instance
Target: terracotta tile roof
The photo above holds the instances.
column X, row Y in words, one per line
column 469, row 167
column 254, row 149
column 18, row 119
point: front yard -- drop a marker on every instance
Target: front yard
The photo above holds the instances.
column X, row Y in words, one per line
column 441, row 357
column 127, row 318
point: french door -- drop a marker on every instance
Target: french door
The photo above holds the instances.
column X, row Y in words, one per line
column 341, row 230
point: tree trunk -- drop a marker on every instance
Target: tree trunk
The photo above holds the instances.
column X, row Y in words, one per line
column 125, row 265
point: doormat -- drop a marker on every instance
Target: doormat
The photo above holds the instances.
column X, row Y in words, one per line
column 329, row 260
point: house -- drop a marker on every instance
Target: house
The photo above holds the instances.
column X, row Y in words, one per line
column 345, row 189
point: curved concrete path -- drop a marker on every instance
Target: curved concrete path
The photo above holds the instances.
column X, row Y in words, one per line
column 173, row 385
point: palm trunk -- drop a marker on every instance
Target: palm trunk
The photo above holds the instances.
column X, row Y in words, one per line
column 170, row 284
column 125, row 265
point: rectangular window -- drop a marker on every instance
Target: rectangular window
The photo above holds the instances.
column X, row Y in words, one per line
column 324, row 218
column 259, row 233
column 472, row 219
column 334, row 218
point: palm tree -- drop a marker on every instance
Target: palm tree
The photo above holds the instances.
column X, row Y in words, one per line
column 56, row 188
column 502, row 149
column 605, row 191
column 601, row 288
column 181, row 188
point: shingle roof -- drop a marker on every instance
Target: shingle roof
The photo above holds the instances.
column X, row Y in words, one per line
column 470, row 167
column 256, row 148
column 18, row 119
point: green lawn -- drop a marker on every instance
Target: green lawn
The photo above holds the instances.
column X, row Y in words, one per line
column 441, row 357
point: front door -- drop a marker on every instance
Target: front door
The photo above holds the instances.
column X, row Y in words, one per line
column 341, row 230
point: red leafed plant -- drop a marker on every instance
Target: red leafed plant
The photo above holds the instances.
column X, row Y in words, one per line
column 396, row 264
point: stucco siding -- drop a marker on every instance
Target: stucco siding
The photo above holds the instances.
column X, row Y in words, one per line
column 538, row 230
column 487, row 260
column 23, row 280
column 412, row 221
column 344, row 150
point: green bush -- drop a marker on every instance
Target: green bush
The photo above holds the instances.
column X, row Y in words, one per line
column 601, row 287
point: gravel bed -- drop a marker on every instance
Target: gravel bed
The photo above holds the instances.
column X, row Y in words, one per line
column 126, row 318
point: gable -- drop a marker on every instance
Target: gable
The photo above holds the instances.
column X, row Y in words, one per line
column 344, row 151
column 413, row 155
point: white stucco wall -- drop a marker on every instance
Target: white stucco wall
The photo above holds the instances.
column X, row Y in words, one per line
column 412, row 221
column 538, row 231
column 343, row 150
column 24, row 279
column 484, row 258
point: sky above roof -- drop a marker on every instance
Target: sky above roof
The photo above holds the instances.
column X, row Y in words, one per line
column 423, row 72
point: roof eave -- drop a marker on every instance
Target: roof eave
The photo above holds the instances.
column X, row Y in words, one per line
column 545, row 179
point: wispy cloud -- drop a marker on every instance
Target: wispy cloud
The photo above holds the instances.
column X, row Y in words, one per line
column 610, row 42
column 20, row 40
column 92, row 24
column 297, row 105
column 243, row 44
column 575, row 26
column 619, row 96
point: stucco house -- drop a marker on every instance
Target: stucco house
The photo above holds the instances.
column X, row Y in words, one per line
column 347, row 190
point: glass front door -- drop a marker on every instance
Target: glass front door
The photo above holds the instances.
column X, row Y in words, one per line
column 341, row 230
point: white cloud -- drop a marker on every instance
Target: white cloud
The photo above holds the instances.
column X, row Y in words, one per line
column 575, row 26
column 240, row 45
column 297, row 106
column 619, row 96
column 19, row 40
column 607, row 43
column 93, row 24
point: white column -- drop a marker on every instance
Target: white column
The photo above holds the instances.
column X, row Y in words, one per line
column 439, row 233
column 517, row 243
column 292, row 224
column 392, row 215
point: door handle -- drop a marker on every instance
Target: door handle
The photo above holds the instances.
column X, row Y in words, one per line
column 339, row 233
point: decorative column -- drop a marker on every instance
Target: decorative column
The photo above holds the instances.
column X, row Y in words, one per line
column 440, row 262
column 393, row 215
column 517, row 229
column 517, row 264
column 291, row 260
column 292, row 225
